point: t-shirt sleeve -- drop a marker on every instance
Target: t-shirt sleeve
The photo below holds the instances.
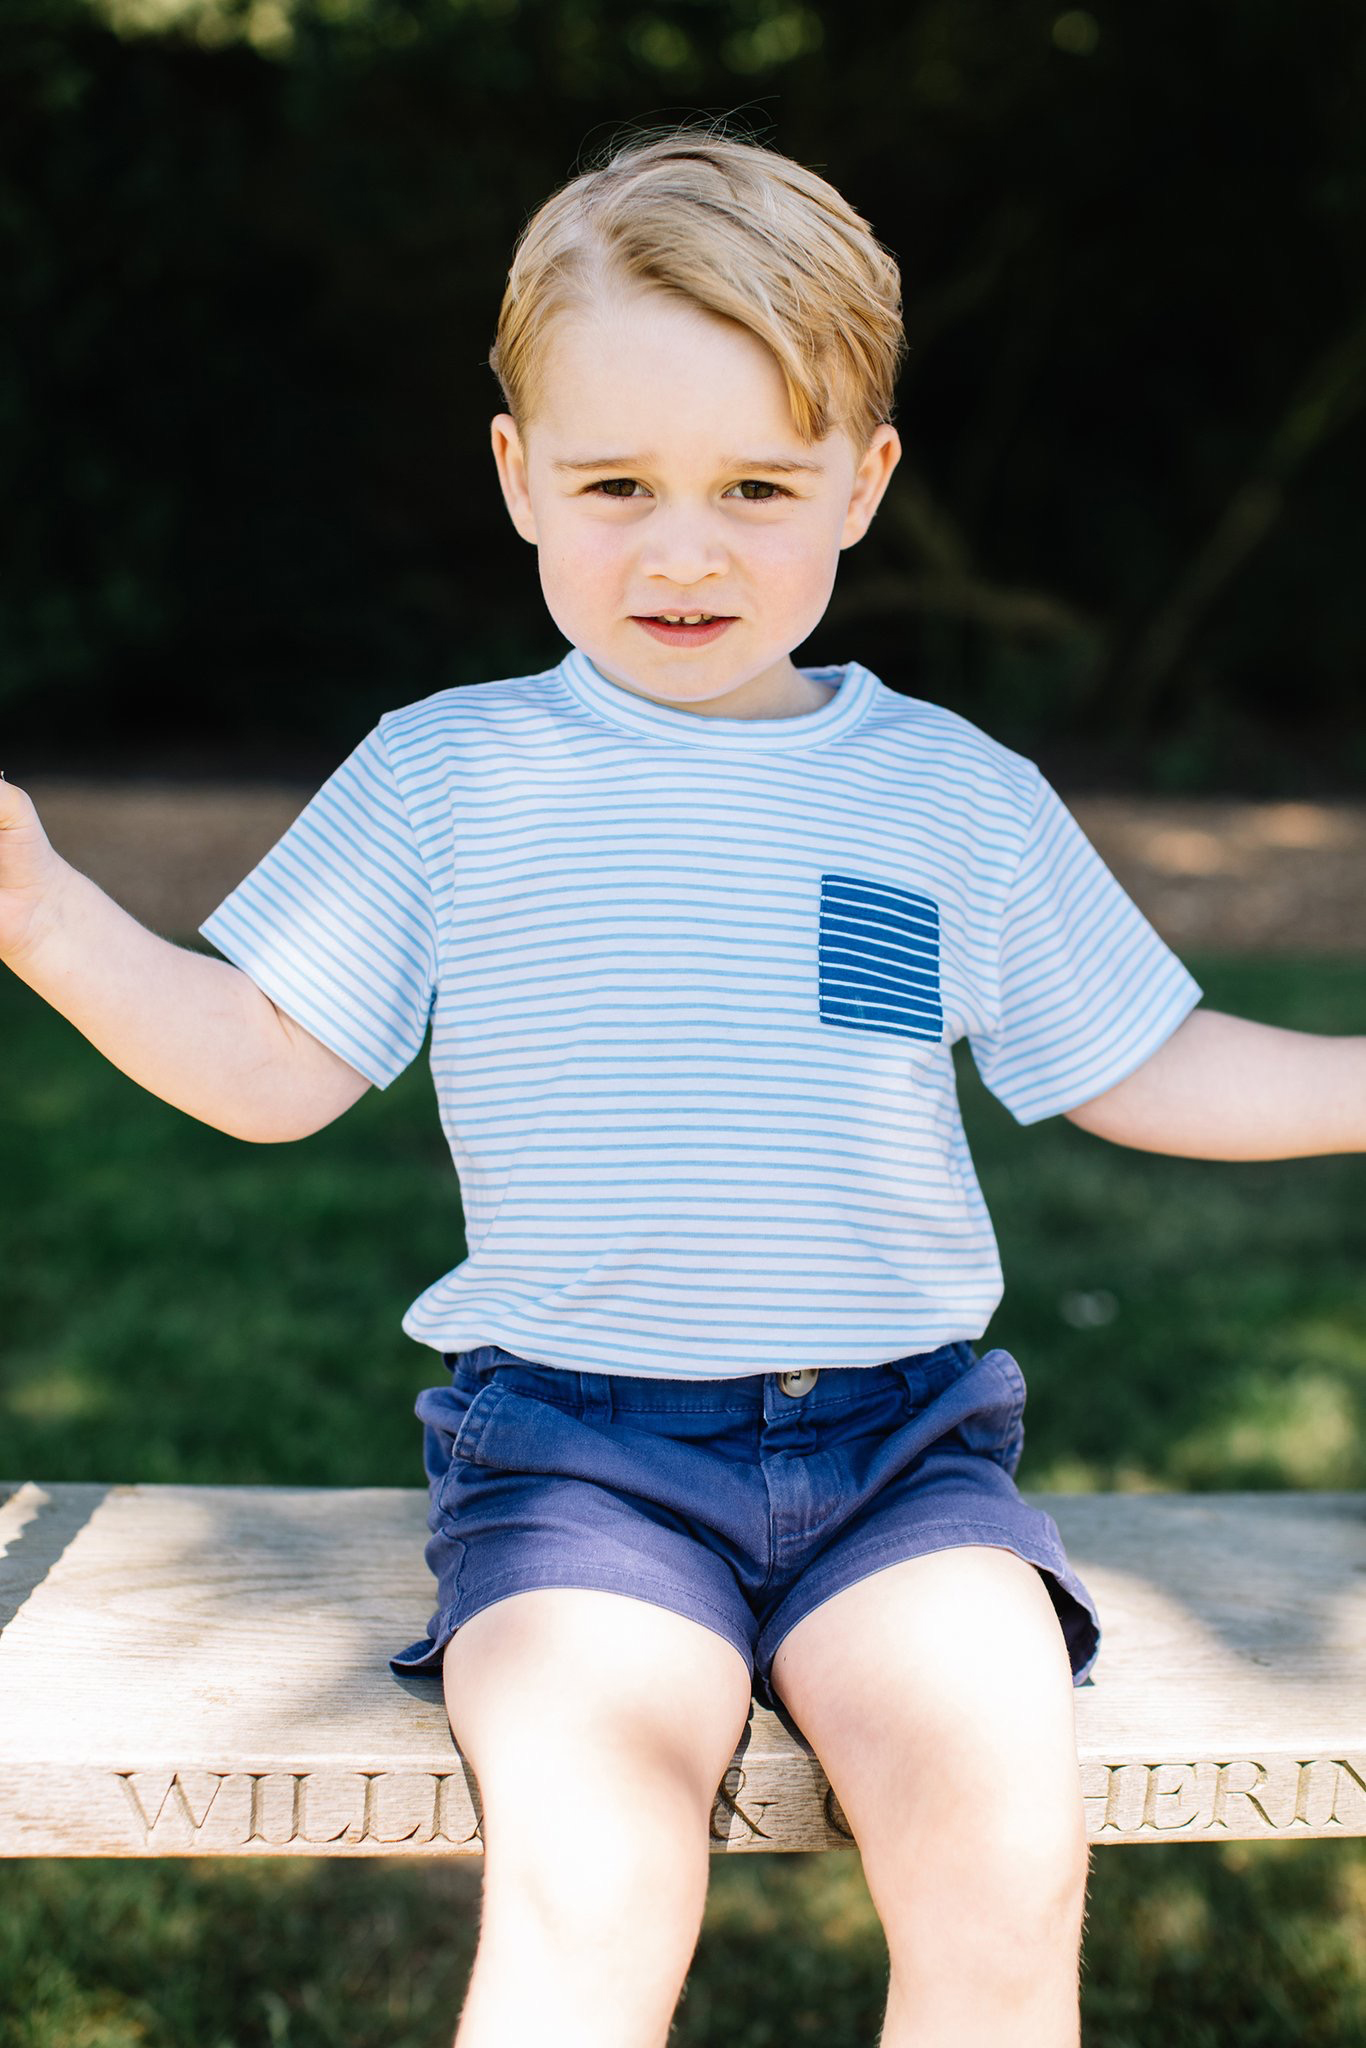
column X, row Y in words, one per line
column 337, row 923
column 1087, row 989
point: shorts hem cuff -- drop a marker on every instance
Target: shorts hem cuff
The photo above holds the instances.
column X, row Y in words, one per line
column 963, row 1533
column 432, row 1648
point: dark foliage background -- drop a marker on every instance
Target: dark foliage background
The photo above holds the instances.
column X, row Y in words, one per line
column 252, row 258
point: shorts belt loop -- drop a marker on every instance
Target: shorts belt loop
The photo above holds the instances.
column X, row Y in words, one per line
column 595, row 1396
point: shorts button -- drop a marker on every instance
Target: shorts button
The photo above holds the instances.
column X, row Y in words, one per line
column 796, row 1383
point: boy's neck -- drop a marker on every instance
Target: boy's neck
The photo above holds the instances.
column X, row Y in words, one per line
column 784, row 696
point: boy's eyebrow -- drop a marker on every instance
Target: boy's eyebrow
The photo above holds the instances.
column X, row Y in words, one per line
column 781, row 465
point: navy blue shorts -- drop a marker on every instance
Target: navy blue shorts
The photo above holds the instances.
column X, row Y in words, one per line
column 742, row 1503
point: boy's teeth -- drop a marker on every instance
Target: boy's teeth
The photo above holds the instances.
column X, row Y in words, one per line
column 684, row 618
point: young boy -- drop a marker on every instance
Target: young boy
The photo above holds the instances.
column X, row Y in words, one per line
column 694, row 931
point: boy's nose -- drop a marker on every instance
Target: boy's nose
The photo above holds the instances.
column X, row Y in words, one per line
column 682, row 557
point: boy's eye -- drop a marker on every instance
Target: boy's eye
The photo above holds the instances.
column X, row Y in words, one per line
column 623, row 486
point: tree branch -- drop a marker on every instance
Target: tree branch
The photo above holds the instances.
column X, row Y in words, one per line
column 1332, row 390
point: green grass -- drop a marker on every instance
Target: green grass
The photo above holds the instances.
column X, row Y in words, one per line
column 176, row 1305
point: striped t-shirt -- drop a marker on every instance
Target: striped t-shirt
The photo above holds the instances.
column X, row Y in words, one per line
column 692, row 986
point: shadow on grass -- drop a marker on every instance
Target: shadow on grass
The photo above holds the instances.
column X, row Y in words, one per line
column 1251, row 1946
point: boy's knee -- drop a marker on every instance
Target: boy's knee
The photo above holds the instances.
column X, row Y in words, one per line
column 1000, row 1915
column 598, row 1852
column 1008, row 1870
column 598, row 1869
column 620, row 1785
column 1037, row 1874
column 591, row 1700
column 1029, row 1856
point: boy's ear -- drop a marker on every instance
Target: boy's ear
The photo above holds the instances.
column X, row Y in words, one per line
column 510, row 457
column 871, row 479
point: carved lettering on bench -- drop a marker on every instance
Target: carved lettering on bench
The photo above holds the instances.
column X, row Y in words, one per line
column 472, row 1822
column 728, row 1803
column 1341, row 1768
column 1168, row 1819
column 1224, row 1792
column 339, row 1809
column 1167, row 1798
column 277, row 1798
column 273, row 1810
column 834, row 1816
column 173, row 1794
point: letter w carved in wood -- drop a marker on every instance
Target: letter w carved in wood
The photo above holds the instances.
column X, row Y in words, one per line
column 174, row 1792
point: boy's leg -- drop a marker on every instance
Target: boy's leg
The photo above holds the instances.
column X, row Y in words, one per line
column 598, row 1728
column 938, row 1695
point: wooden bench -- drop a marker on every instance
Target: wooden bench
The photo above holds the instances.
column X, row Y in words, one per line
column 200, row 1670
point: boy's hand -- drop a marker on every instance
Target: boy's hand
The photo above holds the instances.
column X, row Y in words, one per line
column 29, row 872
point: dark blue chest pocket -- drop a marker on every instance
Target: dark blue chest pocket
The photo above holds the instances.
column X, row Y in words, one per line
column 879, row 958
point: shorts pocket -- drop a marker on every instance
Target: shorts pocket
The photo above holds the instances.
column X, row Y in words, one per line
column 441, row 1411
column 511, row 1434
column 994, row 1425
column 878, row 955
column 448, row 1417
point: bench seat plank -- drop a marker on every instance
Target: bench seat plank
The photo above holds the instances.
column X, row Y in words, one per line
column 201, row 1670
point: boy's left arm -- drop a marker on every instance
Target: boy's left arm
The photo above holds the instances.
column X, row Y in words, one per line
column 1223, row 1087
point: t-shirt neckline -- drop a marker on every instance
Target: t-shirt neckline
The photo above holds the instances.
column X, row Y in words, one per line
column 854, row 688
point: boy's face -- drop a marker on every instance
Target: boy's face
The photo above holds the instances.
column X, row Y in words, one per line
column 651, row 482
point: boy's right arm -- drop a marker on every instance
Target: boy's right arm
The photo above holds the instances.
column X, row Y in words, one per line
column 191, row 1029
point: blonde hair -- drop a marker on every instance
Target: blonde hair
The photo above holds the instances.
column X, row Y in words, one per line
column 738, row 231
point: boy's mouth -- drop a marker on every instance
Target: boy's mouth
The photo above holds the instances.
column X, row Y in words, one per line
column 685, row 630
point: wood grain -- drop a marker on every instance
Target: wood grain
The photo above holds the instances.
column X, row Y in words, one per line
column 203, row 1671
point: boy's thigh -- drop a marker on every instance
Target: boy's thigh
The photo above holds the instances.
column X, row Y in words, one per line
column 938, row 1695
column 597, row 1684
